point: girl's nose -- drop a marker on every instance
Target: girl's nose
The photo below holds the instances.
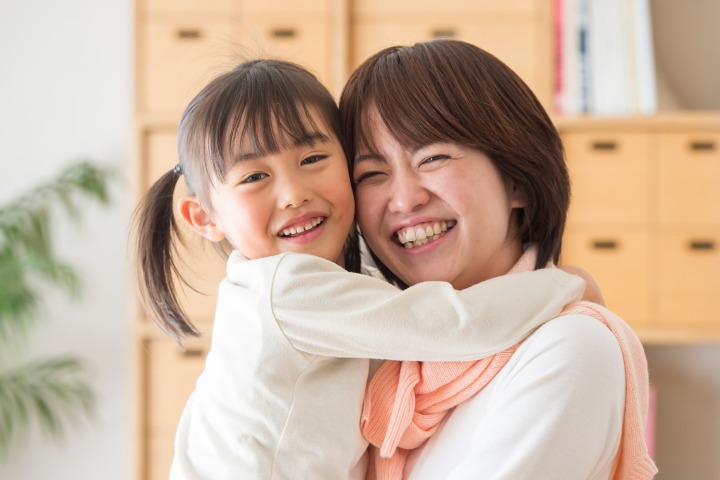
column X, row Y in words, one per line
column 407, row 194
column 294, row 193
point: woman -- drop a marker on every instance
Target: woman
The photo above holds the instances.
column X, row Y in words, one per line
column 443, row 132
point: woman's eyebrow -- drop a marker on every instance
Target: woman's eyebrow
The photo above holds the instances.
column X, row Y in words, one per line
column 369, row 157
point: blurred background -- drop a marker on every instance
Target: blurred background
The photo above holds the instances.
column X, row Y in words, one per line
column 84, row 79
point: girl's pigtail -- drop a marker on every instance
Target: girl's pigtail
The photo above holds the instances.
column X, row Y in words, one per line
column 156, row 230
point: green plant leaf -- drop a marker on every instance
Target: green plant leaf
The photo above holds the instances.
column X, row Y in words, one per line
column 49, row 392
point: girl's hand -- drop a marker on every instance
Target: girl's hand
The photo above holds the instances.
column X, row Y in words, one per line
column 592, row 290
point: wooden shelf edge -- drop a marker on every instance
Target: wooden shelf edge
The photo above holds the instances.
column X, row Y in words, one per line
column 694, row 119
column 680, row 335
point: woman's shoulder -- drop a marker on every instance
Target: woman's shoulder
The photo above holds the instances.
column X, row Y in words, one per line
column 578, row 343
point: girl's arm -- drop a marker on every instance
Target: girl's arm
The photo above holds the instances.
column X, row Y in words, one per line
column 324, row 310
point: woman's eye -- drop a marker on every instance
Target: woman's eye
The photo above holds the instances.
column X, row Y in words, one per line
column 313, row 159
column 435, row 158
column 365, row 176
column 255, row 177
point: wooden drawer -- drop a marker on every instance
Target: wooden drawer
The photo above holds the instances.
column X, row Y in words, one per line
column 513, row 41
column 170, row 376
column 425, row 7
column 160, row 450
column 610, row 177
column 619, row 261
column 199, row 263
column 197, row 7
column 283, row 7
column 688, row 178
column 305, row 41
column 177, row 59
column 158, row 154
column 689, row 277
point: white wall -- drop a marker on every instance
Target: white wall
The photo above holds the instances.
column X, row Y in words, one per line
column 686, row 36
column 65, row 93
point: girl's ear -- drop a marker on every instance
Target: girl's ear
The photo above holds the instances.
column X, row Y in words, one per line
column 198, row 219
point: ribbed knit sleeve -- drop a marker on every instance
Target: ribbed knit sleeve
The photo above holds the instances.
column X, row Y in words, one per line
column 324, row 310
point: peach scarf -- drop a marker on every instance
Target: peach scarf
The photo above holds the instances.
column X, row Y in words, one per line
column 406, row 401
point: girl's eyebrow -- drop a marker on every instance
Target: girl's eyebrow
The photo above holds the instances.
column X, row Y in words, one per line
column 310, row 139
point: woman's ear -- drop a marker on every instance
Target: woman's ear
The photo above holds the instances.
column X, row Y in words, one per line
column 517, row 198
column 199, row 219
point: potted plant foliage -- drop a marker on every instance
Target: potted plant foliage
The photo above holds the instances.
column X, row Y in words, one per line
column 46, row 392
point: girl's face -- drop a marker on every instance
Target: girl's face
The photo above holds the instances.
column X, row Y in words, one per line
column 297, row 200
column 441, row 212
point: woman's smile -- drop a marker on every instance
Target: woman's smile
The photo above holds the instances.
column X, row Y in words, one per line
column 422, row 234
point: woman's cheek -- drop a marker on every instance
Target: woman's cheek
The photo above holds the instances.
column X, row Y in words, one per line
column 369, row 212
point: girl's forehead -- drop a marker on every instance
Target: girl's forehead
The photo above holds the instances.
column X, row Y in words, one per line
column 279, row 130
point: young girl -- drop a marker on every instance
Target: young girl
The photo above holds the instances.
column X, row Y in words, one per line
column 282, row 390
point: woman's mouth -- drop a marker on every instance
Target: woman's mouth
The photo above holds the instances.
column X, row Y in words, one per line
column 423, row 233
column 302, row 227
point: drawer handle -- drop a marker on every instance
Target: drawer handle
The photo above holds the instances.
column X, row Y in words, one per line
column 283, row 33
column 192, row 352
column 702, row 146
column 444, row 33
column 604, row 244
column 702, row 245
column 604, row 145
column 188, row 34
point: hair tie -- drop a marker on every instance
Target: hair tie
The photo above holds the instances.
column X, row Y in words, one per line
column 177, row 169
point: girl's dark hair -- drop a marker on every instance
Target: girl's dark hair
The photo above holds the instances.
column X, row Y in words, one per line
column 264, row 104
column 452, row 91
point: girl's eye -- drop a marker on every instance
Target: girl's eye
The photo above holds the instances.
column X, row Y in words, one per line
column 254, row 177
column 313, row 159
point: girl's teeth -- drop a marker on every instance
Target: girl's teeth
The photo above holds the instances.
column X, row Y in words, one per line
column 300, row 229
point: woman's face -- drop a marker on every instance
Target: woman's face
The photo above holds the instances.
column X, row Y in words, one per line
column 451, row 195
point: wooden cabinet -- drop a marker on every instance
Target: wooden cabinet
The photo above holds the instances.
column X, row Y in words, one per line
column 201, row 265
column 182, row 44
column 518, row 32
column 644, row 219
column 167, row 377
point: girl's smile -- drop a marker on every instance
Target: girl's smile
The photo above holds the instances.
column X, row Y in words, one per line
column 304, row 229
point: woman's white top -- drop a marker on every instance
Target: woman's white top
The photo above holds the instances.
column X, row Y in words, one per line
column 282, row 390
column 554, row 412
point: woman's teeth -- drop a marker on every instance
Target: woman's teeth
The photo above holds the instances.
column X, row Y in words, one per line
column 300, row 228
column 415, row 236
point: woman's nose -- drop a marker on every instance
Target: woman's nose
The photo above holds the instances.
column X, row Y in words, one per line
column 407, row 194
